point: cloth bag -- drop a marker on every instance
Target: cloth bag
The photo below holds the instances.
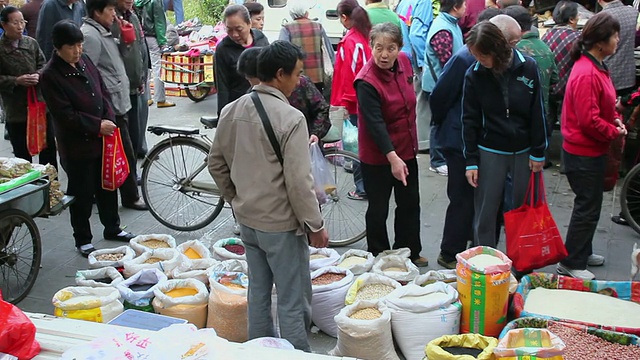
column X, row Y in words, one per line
column 115, row 166
column 533, row 239
column 36, row 122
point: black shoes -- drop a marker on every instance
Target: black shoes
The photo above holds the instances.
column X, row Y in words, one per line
column 86, row 252
column 137, row 205
column 124, row 237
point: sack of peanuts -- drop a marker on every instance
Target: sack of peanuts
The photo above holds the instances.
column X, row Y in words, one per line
column 182, row 298
column 322, row 257
column 195, row 251
column 107, row 276
column 369, row 286
column 329, row 286
column 111, row 257
column 164, row 259
column 537, row 343
column 402, row 252
column 137, row 291
column 357, row 261
column 446, row 276
column 364, row 332
column 228, row 305
column 461, row 347
column 435, row 307
column 398, row 268
column 228, row 249
column 199, row 272
column 583, row 342
column 143, row 243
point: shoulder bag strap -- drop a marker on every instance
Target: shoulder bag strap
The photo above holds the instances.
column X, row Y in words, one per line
column 267, row 125
column 433, row 72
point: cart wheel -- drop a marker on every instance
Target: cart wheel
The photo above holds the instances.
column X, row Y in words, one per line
column 198, row 93
column 20, row 254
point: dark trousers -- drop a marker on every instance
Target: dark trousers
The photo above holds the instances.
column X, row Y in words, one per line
column 378, row 183
column 357, row 173
column 18, row 138
column 85, row 183
column 129, row 189
column 458, row 222
column 133, row 117
column 586, row 178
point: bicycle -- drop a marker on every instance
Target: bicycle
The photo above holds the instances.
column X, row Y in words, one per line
column 182, row 196
column 630, row 198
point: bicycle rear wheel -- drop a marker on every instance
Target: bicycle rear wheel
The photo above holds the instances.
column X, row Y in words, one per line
column 630, row 198
column 344, row 218
column 20, row 254
column 178, row 188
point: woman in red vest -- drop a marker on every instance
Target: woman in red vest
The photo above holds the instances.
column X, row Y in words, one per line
column 388, row 143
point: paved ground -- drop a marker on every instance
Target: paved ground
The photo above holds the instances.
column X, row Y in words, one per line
column 60, row 260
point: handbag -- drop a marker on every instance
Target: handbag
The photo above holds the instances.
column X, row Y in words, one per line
column 267, row 125
column 36, row 122
column 115, row 166
column 533, row 239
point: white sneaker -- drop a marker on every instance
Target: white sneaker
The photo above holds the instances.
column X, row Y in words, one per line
column 578, row 274
column 440, row 170
column 236, row 229
column 595, row 260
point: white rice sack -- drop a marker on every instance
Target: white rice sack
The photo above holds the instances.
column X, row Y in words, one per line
column 197, row 252
column 163, row 259
column 201, row 296
column 100, row 304
column 220, row 253
column 194, row 273
column 230, row 266
column 357, row 261
column 110, row 257
column 398, row 268
column 143, row 243
column 361, row 289
column 90, row 277
column 322, row 257
column 327, row 300
column 446, row 276
column 142, row 277
column 402, row 252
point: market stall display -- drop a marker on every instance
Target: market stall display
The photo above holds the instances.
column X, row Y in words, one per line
column 197, row 252
column 369, row 286
column 137, row 290
column 461, row 347
column 110, row 257
column 164, row 259
column 193, row 71
column 183, row 299
column 329, row 286
column 540, row 344
column 144, row 243
column 103, row 277
column 87, row 303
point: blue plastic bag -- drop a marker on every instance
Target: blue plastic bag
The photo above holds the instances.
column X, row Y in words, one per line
column 350, row 137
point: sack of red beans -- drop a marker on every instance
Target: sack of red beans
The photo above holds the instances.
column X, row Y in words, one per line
column 228, row 249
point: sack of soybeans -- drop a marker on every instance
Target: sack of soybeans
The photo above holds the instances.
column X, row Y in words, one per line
column 228, row 249
column 163, row 259
column 357, row 261
column 483, row 285
column 228, row 305
column 461, row 347
column 137, row 291
column 107, row 276
column 110, row 257
column 398, row 268
column 369, row 286
column 540, row 344
column 87, row 303
column 435, row 307
column 322, row 257
column 142, row 243
column 446, row 276
column 195, row 251
column 329, row 287
column 184, row 299
column 364, row 332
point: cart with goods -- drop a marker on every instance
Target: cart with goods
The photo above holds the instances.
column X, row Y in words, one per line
column 26, row 191
column 193, row 71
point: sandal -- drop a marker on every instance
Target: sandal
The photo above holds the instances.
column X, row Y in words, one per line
column 355, row 196
column 618, row 219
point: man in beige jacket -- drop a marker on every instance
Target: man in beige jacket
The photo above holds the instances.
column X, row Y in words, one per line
column 273, row 201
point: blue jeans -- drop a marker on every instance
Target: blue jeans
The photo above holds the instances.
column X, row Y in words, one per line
column 178, row 10
column 435, row 150
column 357, row 172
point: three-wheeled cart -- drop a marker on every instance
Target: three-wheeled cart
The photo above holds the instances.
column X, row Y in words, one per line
column 193, row 74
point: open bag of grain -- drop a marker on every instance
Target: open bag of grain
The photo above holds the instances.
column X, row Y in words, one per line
column 183, row 299
column 435, row 307
column 110, row 257
column 364, row 332
column 200, row 272
column 137, row 291
column 483, row 286
column 163, row 259
column 142, row 243
column 461, row 347
column 230, row 266
column 369, row 286
column 106, row 276
column 446, row 276
column 540, row 344
column 99, row 304
column 402, row 252
column 197, row 252
column 322, row 257
column 228, row 249
column 357, row 261
column 399, row 268
column 329, row 287
column 228, row 305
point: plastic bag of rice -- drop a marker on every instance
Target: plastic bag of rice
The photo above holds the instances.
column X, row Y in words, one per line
column 142, row 243
column 356, row 260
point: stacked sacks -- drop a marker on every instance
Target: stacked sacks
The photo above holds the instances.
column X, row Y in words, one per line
column 183, row 299
column 329, row 287
column 106, row 276
column 138, row 290
column 99, row 304
column 228, row 305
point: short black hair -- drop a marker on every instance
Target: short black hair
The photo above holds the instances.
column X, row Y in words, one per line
column 254, row 8
column 248, row 62
column 521, row 15
column 239, row 10
column 4, row 14
column 98, row 5
column 488, row 13
column 448, row 5
column 565, row 11
column 66, row 32
column 279, row 55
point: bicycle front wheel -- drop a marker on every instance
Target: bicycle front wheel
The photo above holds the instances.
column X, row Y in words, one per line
column 178, row 188
column 630, row 198
column 344, row 218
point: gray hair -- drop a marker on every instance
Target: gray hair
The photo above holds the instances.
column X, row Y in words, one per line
column 508, row 26
column 298, row 9
column 387, row 29
column 240, row 10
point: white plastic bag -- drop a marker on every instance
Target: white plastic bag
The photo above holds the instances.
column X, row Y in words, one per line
column 322, row 257
column 201, row 250
column 368, row 279
column 195, row 273
column 402, row 252
column 137, row 243
column 220, row 253
column 89, row 277
column 323, row 182
column 357, row 269
column 269, row 342
column 170, row 259
column 446, row 276
column 142, row 277
column 435, row 307
column 126, row 251
column 192, row 308
column 383, row 264
column 328, row 300
column 230, row 265
column 87, row 303
column 364, row 339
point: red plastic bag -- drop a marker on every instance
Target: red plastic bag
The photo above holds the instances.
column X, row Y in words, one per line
column 533, row 239
column 115, row 167
column 17, row 332
column 36, row 122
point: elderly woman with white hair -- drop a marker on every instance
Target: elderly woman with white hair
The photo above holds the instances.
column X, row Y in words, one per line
column 312, row 39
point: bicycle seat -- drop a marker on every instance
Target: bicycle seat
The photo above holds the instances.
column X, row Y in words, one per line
column 177, row 130
column 209, row 122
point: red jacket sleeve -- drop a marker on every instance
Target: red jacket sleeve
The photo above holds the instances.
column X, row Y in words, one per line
column 589, row 115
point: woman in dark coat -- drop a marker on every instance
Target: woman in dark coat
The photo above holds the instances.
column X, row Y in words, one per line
column 82, row 113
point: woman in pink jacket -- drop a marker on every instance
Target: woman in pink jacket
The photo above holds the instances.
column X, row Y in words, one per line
column 352, row 54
